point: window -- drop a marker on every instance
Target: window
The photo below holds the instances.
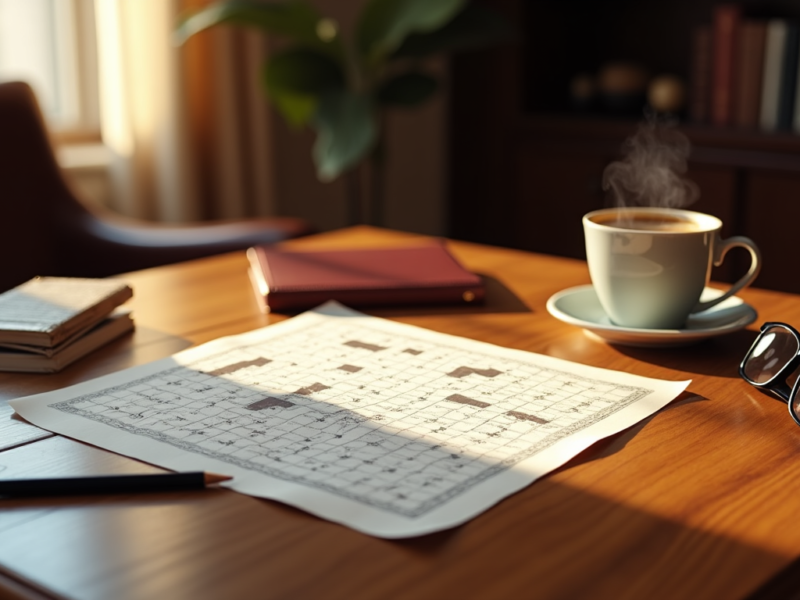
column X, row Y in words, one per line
column 51, row 45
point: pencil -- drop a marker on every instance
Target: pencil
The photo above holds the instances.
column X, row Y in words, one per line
column 109, row 484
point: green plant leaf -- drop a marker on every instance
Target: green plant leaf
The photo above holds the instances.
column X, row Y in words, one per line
column 384, row 24
column 474, row 27
column 294, row 19
column 297, row 110
column 303, row 71
column 296, row 78
column 346, row 132
column 407, row 89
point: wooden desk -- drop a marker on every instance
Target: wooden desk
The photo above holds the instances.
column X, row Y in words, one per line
column 699, row 501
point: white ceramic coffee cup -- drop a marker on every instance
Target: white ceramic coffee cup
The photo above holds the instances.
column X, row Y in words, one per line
column 649, row 266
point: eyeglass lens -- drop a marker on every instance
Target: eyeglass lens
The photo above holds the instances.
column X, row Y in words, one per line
column 775, row 348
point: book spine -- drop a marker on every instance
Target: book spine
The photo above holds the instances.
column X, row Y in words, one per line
column 725, row 27
column 700, row 74
column 788, row 78
column 749, row 74
column 771, row 81
column 796, row 117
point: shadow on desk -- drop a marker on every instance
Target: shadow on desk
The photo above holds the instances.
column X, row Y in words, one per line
column 618, row 531
column 703, row 358
column 781, row 587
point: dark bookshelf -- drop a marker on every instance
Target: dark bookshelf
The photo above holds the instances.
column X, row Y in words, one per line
column 526, row 164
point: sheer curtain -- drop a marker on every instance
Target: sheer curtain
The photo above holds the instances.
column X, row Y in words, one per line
column 188, row 127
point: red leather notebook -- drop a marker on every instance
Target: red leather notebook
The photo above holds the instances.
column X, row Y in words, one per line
column 296, row 279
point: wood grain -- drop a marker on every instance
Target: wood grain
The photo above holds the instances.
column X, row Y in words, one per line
column 697, row 501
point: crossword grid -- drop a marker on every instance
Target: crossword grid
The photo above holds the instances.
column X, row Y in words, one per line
column 399, row 423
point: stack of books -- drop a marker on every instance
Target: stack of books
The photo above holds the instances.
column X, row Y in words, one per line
column 745, row 71
column 48, row 323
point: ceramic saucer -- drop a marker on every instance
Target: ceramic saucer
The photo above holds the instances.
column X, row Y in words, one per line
column 580, row 306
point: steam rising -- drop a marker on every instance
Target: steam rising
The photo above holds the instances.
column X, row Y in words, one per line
column 651, row 174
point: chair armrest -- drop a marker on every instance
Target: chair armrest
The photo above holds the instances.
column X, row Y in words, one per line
column 114, row 244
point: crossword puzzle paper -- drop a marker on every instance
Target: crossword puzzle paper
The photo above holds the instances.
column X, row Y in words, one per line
column 390, row 429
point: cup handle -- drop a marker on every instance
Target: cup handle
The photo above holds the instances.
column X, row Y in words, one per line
column 721, row 249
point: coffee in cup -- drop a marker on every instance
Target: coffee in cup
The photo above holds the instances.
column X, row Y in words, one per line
column 649, row 266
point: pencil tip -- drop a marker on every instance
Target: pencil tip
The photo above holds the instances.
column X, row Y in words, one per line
column 216, row 478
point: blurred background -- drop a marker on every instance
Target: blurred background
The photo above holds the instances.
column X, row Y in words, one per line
column 510, row 151
column 183, row 133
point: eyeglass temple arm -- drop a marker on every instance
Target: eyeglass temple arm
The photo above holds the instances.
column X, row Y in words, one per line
column 783, row 390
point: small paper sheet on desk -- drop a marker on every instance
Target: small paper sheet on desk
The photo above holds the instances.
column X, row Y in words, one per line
column 390, row 429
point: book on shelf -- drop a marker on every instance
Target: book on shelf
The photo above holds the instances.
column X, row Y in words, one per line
column 725, row 30
column 699, row 97
column 796, row 112
column 745, row 71
column 788, row 79
column 34, row 359
column 749, row 73
column 46, row 311
column 787, row 90
column 774, row 55
column 286, row 279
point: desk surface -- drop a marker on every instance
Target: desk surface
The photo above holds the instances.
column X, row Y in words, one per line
column 698, row 501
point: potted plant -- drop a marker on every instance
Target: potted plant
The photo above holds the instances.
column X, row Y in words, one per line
column 340, row 87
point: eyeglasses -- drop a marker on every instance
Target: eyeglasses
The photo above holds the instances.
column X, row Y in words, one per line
column 773, row 364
